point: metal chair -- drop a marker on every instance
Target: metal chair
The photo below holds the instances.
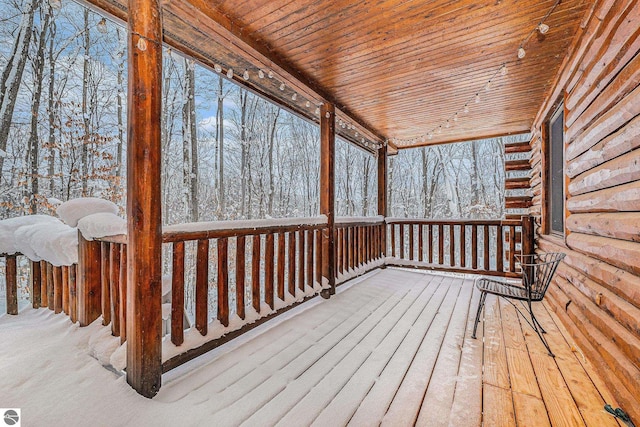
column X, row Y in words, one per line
column 537, row 271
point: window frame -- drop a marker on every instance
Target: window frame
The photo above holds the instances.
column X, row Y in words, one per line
column 551, row 178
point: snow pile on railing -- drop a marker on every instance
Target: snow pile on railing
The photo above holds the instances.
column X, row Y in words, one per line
column 43, row 237
column 194, row 227
column 73, row 210
column 99, row 225
column 9, row 226
column 359, row 219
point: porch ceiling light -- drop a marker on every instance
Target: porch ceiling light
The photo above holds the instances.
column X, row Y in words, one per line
column 521, row 52
column 102, row 26
column 261, row 74
column 245, row 75
column 218, row 68
column 543, row 28
column 281, row 86
column 230, row 73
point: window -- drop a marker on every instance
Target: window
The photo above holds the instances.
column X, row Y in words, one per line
column 556, row 173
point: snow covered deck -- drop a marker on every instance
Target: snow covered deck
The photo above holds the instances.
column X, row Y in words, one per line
column 393, row 348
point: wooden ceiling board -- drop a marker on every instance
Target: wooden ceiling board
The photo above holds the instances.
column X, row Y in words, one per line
column 398, row 68
column 405, row 67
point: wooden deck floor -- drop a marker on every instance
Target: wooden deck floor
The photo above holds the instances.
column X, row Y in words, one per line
column 396, row 350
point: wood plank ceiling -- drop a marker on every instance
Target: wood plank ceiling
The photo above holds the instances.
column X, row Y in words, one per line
column 396, row 69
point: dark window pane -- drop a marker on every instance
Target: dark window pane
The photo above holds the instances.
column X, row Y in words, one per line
column 556, row 187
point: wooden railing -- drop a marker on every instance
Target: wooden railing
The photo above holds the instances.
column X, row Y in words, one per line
column 359, row 246
column 467, row 246
column 250, row 272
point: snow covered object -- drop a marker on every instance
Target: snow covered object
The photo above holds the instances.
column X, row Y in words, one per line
column 73, row 210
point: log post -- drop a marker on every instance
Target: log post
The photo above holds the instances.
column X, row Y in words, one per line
column 144, row 220
column 11, row 274
column 36, row 284
column 382, row 195
column 327, row 192
column 88, row 287
column 528, row 240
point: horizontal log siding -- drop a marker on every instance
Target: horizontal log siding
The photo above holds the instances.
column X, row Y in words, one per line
column 596, row 291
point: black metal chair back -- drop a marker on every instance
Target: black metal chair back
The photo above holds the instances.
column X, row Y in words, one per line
column 537, row 271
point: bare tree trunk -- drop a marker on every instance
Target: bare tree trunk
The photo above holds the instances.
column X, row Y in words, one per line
column 221, row 201
column 272, row 136
column 34, row 142
column 186, row 154
column 51, row 106
column 84, row 172
column 365, row 184
column 120, row 111
column 244, row 148
column 12, row 74
column 191, row 82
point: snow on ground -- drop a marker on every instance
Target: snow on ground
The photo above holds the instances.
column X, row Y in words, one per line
column 53, row 370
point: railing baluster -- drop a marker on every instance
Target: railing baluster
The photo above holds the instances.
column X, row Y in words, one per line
column 430, row 242
column 512, row 248
column 292, row 263
column 281, row 265
column 223, row 280
column 114, row 282
column 441, row 244
column 463, row 245
column 240, row 275
column 420, row 243
column 73, row 294
column 65, row 292
column 318, row 265
column 345, row 249
column 255, row 273
column 177, row 294
column 51, row 287
column 104, row 280
column 353, row 241
column 11, row 274
column 411, row 238
column 339, row 252
column 452, row 245
column 301, row 263
column 36, row 284
column 310, row 257
column 393, row 240
column 44, row 285
column 474, row 247
column 485, row 242
column 268, row 270
column 57, row 289
column 499, row 249
column 401, row 232
column 202, row 286
column 123, row 294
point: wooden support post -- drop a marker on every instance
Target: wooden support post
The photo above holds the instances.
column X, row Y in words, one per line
column 36, row 284
column 528, row 240
column 73, row 294
column 327, row 191
column 11, row 274
column 89, row 281
column 144, row 252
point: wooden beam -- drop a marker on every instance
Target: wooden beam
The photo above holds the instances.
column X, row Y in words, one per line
column 144, row 252
column 327, row 190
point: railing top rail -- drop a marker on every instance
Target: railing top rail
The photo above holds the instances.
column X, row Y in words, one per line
column 346, row 221
column 217, row 229
column 423, row 221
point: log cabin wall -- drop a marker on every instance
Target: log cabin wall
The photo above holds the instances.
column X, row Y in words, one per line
column 596, row 292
